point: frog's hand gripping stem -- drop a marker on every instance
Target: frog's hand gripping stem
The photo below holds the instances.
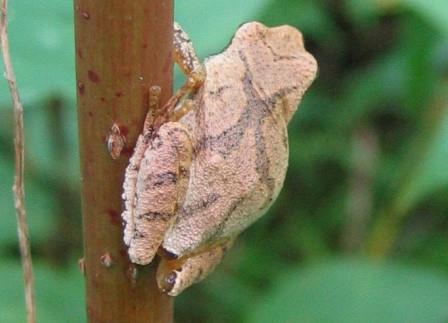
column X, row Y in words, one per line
column 154, row 189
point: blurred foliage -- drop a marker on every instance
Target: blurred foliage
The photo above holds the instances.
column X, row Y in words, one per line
column 367, row 177
column 354, row 291
column 59, row 294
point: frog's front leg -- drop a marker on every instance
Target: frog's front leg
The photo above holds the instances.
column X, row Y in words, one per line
column 185, row 56
column 173, row 276
column 160, row 187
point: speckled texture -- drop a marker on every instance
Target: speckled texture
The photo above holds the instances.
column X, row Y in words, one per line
column 239, row 152
column 239, row 134
column 152, row 194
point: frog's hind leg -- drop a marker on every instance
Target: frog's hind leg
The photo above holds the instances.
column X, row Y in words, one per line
column 173, row 276
column 161, row 185
column 132, row 170
column 185, row 56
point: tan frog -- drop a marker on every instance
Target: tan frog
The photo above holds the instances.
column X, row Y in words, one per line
column 216, row 161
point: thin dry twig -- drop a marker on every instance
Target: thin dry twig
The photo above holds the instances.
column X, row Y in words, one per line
column 18, row 187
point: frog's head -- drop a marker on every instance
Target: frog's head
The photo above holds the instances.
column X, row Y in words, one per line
column 279, row 66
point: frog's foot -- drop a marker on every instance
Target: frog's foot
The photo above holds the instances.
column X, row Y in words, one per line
column 173, row 276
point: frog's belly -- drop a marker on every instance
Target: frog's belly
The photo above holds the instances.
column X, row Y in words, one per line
column 228, row 191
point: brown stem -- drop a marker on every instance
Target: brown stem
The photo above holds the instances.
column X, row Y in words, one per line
column 122, row 48
column 18, row 187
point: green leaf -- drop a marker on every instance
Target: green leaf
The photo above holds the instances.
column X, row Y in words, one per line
column 42, row 49
column 430, row 172
column 363, row 11
column 435, row 11
column 356, row 291
column 59, row 294
column 308, row 15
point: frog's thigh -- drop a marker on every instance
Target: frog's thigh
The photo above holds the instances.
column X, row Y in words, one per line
column 173, row 276
column 161, row 187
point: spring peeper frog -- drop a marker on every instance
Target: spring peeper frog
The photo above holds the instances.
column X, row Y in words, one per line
column 218, row 159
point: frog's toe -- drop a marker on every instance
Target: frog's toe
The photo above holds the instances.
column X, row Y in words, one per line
column 174, row 276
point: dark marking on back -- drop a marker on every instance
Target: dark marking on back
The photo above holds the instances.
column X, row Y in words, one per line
column 160, row 179
column 153, row 216
column 196, row 206
column 219, row 90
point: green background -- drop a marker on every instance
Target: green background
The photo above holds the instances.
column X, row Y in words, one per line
column 359, row 233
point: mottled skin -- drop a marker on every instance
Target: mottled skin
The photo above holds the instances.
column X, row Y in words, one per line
column 219, row 166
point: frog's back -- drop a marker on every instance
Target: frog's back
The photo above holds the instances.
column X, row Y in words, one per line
column 240, row 143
